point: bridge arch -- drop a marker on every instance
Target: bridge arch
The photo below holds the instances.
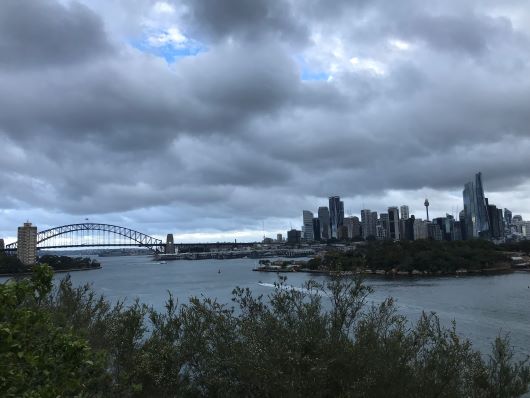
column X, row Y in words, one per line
column 139, row 239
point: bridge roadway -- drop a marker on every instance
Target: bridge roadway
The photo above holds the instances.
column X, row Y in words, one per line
column 85, row 235
column 206, row 247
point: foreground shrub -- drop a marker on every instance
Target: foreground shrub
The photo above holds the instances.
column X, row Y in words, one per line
column 37, row 357
column 319, row 341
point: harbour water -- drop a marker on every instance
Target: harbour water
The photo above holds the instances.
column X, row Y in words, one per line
column 482, row 306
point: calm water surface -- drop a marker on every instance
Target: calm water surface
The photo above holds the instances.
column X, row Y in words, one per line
column 482, row 307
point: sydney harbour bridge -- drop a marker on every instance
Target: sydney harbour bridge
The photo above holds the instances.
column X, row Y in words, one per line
column 87, row 235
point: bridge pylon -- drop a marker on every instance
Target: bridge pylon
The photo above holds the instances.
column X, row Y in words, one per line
column 170, row 245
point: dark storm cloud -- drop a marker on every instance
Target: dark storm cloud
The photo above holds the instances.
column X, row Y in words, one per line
column 232, row 136
column 34, row 34
column 146, row 105
column 247, row 20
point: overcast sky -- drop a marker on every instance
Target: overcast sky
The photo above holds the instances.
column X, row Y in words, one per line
column 214, row 119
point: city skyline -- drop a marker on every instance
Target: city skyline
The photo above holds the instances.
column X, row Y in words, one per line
column 479, row 218
column 220, row 122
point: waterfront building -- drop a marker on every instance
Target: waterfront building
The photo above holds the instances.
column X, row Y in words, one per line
column 475, row 209
column 462, row 221
column 507, row 217
column 316, row 228
column 525, row 229
column 27, row 244
column 496, row 222
column 294, row 236
column 434, row 231
column 420, row 229
column 517, row 223
column 365, row 222
column 336, row 213
column 404, row 211
column 373, row 221
column 323, row 219
column 446, row 225
column 380, row 231
column 342, row 232
column 384, row 222
column 457, row 231
column 408, row 228
column 279, row 238
column 307, row 227
column 393, row 221
column 354, row 227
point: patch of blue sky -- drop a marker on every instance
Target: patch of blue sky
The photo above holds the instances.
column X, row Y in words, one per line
column 169, row 51
column 307, row 73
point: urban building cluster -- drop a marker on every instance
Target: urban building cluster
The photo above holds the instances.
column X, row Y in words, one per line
column 478, row 219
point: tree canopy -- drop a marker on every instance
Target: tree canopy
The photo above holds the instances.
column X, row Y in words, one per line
column 322, row 341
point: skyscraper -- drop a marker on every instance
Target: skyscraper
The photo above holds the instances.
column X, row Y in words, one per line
column 463, row 228
column 323, row 219
column 368, row 222
column 507, row 217
column 27, row 244
column 354, row 227
column 293, row 236
column 393, row 221
column 385, row 225
column 496, row 222
column 408, row 228
column 420, row 229
column 404, row 210
column 336, row 213
column 316, row 229
column 475, row 209
column 307, row 229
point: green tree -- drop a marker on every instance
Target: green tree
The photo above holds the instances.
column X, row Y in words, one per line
column 37, row 358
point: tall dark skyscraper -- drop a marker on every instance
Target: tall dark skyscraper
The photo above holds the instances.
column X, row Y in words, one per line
column 507, row 217
column 393, row 222
column 307, row 227
column 462, row 224
column 475, row 209
column 496, row 221
column 336, row 214
column 323, row 219
column 316, row 229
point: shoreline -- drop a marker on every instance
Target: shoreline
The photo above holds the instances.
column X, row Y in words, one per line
column 394, row 275
column 61, row 271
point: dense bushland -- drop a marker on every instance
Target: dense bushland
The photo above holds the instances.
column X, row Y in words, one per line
column 422, row 255
column 68, row 341
column 12, row 265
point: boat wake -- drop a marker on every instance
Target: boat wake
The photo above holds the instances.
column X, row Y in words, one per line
column 286, row 287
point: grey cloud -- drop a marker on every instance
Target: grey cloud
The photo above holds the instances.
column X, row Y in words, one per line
column 34, row 34
column 241, row 19
column 146, row 105
column 468, row 33
column 231, row 137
